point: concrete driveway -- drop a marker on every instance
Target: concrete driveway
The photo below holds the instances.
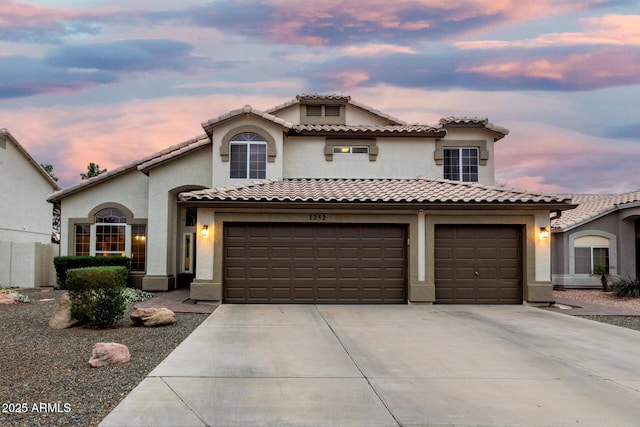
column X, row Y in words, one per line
column 299, row 365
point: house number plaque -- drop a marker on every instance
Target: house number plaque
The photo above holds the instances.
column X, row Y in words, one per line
column 317, row 217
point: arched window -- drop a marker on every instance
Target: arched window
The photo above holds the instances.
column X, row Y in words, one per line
column 248, row 152
column 107, row 232
column 111, row 232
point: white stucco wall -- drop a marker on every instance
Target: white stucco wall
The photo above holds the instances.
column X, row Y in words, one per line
column 25, row 214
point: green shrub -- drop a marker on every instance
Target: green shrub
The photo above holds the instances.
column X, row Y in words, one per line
column 66, row 263
column 96, row 294
column 627, row 287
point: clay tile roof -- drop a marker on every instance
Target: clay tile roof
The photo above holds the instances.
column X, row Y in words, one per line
column 474, row 122
column 386, row 129
column 318, row 96
column 418, row 190
column 593, row 206
column 247, row 109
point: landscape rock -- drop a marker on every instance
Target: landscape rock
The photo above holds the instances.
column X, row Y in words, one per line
column 61, row 318
column 153, row 316
column 109, row 353
column 8, row 299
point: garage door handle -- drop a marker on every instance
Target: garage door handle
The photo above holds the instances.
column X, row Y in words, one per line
column 476, row 274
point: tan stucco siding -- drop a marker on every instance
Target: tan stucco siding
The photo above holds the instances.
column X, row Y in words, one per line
column 220, row 168
column 129, row 190
column 420, row 250
column 186, row 173
column 485, row 172
column 397, row 158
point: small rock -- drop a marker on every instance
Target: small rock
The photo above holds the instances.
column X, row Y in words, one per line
column 108, row 353
column 8, row 299
column 153, row 316
column 62, row 316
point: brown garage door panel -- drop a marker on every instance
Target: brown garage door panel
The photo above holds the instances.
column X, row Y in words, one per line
column 308, row 263
column 478, row 264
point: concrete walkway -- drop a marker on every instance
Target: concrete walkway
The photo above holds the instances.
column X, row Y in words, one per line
column 306, row 365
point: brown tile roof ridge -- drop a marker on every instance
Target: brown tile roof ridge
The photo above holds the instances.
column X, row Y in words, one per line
column 591, row 206
column 411, row 190
column 181, row 148
column 413, row 128
column 247, row 109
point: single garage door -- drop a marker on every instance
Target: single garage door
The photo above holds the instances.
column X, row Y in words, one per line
column 478, row 264
column 314, row 263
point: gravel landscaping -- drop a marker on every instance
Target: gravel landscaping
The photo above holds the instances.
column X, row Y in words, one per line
column 596, row 296
column 46, row 379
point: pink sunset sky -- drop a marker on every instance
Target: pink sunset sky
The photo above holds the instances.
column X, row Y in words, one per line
column 109, row 81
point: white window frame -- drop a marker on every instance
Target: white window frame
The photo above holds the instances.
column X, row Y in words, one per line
column 248, row 143
column 592, row 265
column 127, row 239
column 461, row 172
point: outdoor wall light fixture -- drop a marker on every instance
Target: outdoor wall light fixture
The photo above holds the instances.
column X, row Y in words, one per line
column 544, row 233
column 205, row 231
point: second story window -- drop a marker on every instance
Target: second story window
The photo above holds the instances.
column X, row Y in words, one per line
column 461, row 164
column 248, row 152
column 350, row 150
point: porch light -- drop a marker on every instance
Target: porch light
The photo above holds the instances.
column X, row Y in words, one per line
column 205, row 231
column 544, row 233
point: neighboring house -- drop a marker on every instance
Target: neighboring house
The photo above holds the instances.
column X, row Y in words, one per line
column 26, row 218
column 321, row 199
column 604, row 229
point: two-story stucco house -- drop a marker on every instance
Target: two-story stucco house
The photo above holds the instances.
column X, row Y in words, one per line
column 26, row 250
column 321, row 199
column 603, row 230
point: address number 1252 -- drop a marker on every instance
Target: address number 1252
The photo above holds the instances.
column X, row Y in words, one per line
column 317, row 217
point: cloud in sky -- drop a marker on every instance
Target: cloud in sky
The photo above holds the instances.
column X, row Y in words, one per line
column 22, row 22
column 96, row 75
column 22, row 76
column 127, row 56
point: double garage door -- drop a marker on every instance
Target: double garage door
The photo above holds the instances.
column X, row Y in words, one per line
column 366, row 263
column 315, row 263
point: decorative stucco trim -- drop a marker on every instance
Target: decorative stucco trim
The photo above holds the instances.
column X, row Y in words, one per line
column 329, row 144
column 226, row 139
column 613, row 249
column 441, row 144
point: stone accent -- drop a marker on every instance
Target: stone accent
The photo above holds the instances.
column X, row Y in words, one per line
column 153, row 317
column 61, row 318
column 8, row 299
column 105, row 354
